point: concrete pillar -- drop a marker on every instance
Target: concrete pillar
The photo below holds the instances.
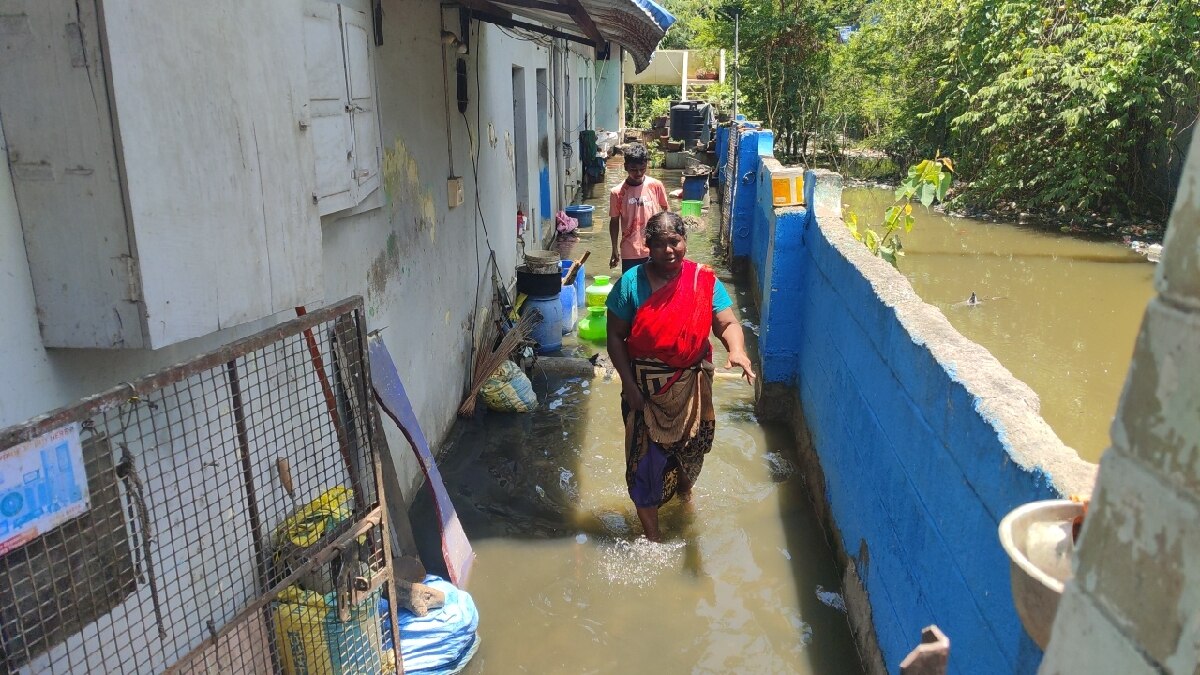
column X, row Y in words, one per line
column 1134, row 604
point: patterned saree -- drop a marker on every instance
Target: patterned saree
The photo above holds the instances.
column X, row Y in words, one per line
column 665, row 442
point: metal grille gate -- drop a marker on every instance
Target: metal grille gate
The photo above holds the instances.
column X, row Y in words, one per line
column 729, row 188
column 234, row 517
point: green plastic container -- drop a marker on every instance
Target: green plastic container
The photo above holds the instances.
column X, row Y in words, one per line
column 690, row 207
column 594, row 326
column 597, row 293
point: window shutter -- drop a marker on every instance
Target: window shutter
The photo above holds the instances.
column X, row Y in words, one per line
column 364, row 117
column 328, row 108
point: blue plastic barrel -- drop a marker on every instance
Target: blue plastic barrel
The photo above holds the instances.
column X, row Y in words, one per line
column 582, row 213
column 580, row 282
column 695, row 187
column 548, row 332
column 570, row 310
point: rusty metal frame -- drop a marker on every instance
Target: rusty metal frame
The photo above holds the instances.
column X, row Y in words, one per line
column 217, row 358
column 373, row 523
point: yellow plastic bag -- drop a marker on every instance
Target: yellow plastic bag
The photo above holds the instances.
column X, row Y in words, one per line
column 306, row 526
column 312, row 641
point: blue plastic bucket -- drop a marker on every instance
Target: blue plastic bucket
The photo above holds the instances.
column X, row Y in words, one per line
column 582, row 213
column 580, row 282
column 548, row 332
column 695, row 187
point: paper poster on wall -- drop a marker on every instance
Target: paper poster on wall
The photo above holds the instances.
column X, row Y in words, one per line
column 43, row 484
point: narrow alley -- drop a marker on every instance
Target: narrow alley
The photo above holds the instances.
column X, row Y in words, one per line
column 745, row 581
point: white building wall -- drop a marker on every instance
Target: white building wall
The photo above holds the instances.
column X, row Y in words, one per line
column 421, row 266
column 417, row 262
column 609, row 93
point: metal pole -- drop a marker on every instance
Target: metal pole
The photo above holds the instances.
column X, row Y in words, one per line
column 736, row 25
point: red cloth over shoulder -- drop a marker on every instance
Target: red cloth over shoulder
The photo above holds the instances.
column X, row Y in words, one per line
column 674, row 322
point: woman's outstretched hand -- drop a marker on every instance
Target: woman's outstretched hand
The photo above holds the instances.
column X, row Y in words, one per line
column 633, row 396
column 742, row 361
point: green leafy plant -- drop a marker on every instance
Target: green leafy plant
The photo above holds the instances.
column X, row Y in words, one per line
column 926, row 182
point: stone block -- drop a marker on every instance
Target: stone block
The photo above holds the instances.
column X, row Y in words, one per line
column 1159, row 418
column 827, row 197
column 1178, row 275
column 1139, row 556
column 1085, row 641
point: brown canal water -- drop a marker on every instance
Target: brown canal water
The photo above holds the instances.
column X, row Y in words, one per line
column 744, row 581
column 1061, row 313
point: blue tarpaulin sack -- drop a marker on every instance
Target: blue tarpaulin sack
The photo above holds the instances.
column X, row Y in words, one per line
column 442, row 641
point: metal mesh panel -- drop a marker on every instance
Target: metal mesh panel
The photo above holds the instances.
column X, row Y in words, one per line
column 731, row 183
column 234, row 520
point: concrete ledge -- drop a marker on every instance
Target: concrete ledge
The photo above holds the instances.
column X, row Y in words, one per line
column 1005, row 403
column 914, row 441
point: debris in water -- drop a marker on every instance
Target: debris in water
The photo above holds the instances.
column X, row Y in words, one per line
column 781, row 468
column 785, row 553
column 581, row 538
column 567, row 483
column 749, row 324
column 1153, row 252
column 540, row 491
column 614, row 522
column 556, row 403
column 831, row 599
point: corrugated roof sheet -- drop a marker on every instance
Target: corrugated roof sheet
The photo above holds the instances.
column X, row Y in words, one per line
column 636, row 25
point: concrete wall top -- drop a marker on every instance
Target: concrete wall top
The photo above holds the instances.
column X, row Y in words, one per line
column 916, row 440
column 1003, row 401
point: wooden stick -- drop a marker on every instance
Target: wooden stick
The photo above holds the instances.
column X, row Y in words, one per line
column 574, row 269
column 343, row 442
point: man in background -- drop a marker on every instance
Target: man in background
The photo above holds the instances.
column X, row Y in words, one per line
column 630, row 206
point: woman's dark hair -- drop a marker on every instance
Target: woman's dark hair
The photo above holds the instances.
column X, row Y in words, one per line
column 635, row 153
column 662, row 224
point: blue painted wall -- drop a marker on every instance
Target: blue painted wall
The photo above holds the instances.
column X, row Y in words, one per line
column 918, row 472
column 752, row 142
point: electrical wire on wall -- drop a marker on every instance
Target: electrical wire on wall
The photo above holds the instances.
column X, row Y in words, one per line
column 480, row 218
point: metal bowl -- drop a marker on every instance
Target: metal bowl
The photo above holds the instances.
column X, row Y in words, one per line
column 1037, row 538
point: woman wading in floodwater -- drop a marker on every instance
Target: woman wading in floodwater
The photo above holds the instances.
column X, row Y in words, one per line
column 659, row 317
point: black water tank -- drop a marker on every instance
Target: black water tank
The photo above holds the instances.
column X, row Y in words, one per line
column 688, row 121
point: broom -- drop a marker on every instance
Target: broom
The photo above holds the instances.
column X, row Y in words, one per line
column 487, row 363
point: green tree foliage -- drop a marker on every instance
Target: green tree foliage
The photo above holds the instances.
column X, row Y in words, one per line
column 881, row 90
column 926, row 182
column 1069, row 104
column 1065, row 105
column 783, row 63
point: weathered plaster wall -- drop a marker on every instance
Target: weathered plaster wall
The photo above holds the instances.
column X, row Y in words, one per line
column 424, row 259
column 610, row 108
column 919, row 440
column 420, row 265
column 412, row 257
column 1134, row 604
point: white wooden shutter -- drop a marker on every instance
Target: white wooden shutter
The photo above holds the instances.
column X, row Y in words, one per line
column 364, row 116
column 329, row 108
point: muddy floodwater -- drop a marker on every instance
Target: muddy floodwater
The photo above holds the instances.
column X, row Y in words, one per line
column 744, row 581
column 1061, row 313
